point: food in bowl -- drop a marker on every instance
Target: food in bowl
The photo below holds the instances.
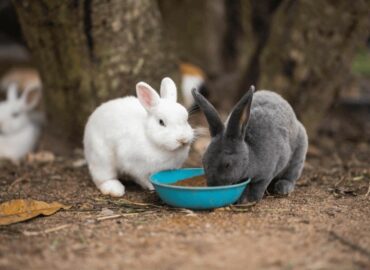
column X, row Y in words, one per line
column 195, row 181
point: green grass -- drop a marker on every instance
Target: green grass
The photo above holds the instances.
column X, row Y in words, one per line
column 361, row 63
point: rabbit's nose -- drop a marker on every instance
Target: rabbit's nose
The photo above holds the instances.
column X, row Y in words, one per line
column 183, row 141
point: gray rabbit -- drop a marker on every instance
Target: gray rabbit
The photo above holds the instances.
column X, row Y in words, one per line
column 261, row 139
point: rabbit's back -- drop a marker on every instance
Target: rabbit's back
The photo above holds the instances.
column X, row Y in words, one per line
column 272, row 132
column 271, row 117
column 270, row 104
column 116, row 118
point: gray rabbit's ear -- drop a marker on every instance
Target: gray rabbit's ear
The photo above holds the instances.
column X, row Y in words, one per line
column 215, row 124
column 233, row 125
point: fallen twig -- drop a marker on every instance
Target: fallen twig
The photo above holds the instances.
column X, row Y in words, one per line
column 244, row 205
column 130, row 203
column 368, row 191
column 339, row 182
column 115, row 216
column 35, row 233
column 358, row 178
column 17, row 181
column 348, row 243
column 338, row 160
column 143, row 207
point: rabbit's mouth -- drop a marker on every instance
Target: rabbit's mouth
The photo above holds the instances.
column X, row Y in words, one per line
column 174, row 147
column 181, row 145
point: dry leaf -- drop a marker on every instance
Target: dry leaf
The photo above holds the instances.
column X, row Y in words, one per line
column 19, row 210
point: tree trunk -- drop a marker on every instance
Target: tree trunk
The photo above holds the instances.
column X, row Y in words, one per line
column 197, row 30
column 305, row 51
column 91, row 51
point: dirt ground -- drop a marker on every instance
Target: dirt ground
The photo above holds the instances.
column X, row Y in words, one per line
column 324, row 224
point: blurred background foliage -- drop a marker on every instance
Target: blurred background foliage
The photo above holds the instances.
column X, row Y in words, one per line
column 314, row 53
column 361, row 63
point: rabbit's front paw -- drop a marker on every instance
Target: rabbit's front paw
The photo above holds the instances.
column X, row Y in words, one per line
column 145, row 184
column 249, row 198
column 254, row 197
column 113, row 188
column 255, row 191
column 150, row 186
column 242, row 200
column 283, row 187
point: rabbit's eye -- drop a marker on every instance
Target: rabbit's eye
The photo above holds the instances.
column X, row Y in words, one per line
column 161, row 123
column 15, row 114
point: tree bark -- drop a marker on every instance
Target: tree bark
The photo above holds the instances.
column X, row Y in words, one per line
column 305, row 51
column 89, row 51
column 196, row 29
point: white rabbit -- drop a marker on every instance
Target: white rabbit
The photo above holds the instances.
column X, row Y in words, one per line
column 137, row 137
column 22, row 77
column 18, row 132
column 191, row 77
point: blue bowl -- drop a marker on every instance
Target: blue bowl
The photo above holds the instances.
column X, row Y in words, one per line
column 194, row 197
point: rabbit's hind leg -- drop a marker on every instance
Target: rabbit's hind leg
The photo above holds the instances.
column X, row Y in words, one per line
column 286, row 183
column 103, row 172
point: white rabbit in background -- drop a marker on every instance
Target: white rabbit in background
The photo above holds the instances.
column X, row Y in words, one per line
column 18, row 132
column 191, row 77
column 22, row 77
column 137, row 137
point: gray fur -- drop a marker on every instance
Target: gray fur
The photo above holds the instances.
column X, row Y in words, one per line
column 269, row 146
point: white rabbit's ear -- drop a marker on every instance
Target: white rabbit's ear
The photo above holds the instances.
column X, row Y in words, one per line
column 31, row 97
column 12, row 92
column 168, row 89
column 147, row 96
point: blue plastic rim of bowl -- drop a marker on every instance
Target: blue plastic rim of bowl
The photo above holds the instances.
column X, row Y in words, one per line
column 196, row 198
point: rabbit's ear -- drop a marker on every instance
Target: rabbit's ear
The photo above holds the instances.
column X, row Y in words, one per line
column 12, row 92
column 168, row 89
column 233, row 125
column 147, row 96
column 31, row 97
column 215, row 124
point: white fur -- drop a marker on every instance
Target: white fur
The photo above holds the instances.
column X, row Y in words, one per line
column 124, row 136
column 17, row 146
column 18, row 133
